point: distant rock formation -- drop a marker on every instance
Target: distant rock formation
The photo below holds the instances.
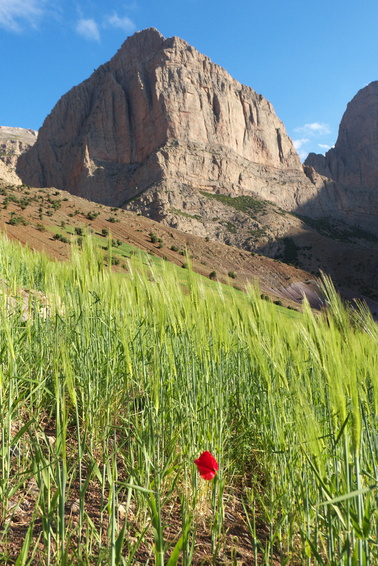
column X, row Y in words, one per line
column 354, row 159
column 353, row 162
column 13, row 142
column 160, row 114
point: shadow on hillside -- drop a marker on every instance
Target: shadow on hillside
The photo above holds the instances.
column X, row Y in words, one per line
column 337, row 242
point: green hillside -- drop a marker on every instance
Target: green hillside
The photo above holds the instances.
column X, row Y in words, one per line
column 111, row 385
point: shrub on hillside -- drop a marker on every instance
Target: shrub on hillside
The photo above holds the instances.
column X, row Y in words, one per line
column 17, row 220
column 92, row 215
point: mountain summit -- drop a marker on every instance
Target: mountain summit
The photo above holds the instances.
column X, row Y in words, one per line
column 161, row 112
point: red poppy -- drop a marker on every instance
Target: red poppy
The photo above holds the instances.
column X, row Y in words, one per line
column 207, row 465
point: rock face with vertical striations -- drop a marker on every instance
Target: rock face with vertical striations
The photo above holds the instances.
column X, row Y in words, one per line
column 160, row 115
column 354, row 159
column 353, row 163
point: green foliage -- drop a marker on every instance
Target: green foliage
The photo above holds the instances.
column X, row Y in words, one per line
column 185, row 214
column 244, row 203
column 110, row 387
column 92, row 215
column 231, row 227
column 61, row 238
column 156, row 240
column 16, row 220
column 339, row 231
column 56, row 204
column 290, row 251
column 24, row 202
column 11, row 198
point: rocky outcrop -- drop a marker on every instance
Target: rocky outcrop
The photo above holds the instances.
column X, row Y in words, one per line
column 353, row 163
column 354, row 159
column 13, row 142
column 161, row 112
column 247, row 222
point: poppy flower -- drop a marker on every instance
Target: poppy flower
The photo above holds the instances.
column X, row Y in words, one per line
column 207, row 465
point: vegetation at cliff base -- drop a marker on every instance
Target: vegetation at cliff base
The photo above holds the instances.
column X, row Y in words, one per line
column 244, row 203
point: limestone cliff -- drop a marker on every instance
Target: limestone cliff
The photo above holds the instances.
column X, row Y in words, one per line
column 353, row 163
column 161, row 112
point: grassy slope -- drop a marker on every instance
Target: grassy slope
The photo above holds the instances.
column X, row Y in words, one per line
column 111, row 386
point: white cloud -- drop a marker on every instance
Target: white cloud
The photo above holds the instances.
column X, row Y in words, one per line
column 302, row 154
column 115, row 21
column 300, row 143
column 88, row 28
column 314, row 129
column 310, row 138
column 15, row 14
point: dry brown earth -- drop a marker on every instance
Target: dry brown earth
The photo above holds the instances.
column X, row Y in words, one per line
column 44, row 219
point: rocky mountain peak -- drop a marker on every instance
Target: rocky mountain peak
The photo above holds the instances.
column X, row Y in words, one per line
column 137, row 48
column 158, row 110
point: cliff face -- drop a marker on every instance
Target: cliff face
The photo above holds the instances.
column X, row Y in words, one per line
column 161, row 111
column 354, row 159
column 13, row 142
column 353, row 163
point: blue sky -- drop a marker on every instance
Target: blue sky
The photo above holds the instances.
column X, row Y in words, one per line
column 308, row 58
